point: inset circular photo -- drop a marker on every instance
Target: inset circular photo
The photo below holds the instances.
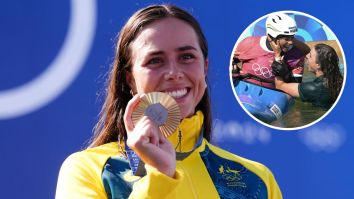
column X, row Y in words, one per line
column 287, row 70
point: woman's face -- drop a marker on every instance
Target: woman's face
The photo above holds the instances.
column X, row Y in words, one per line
column 166, row 57
column 286, row 43
column 311, row 62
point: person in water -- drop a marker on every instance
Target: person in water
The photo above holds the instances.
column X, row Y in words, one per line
column 324, row 90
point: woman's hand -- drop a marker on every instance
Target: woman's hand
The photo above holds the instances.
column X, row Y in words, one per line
column 275, row 46
column 146, row 140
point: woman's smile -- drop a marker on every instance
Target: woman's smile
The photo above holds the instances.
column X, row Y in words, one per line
column 177, row 93
column 166, row 57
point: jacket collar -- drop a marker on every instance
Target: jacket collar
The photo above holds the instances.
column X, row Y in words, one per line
column 190, row 129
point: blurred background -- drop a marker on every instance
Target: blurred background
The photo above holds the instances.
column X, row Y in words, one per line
column 54, row 62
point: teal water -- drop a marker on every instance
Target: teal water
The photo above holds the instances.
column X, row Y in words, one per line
column 302, row 113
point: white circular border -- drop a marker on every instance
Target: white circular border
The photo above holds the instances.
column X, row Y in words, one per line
column 61, row 72
column 344, row 71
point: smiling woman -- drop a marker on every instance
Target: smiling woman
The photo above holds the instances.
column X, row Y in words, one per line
column 174, row 66
column 160, row 49
column 323, row 91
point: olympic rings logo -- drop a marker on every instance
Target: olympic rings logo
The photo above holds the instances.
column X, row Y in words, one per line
column 262, row 71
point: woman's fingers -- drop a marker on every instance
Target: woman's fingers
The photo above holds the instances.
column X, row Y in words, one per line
column 152, row 147
column 147, row 141
column 276, row 47
column 269, row 39
column 274, row 43
column 128, row 122
column 142, row 134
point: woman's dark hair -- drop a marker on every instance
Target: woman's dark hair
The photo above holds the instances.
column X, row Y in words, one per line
column 328, row 60
column 110, row 126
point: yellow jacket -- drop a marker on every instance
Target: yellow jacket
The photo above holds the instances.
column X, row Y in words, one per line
column 208, row 172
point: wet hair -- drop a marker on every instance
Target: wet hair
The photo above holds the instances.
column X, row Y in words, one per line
column 328, row 60
column 110, row 126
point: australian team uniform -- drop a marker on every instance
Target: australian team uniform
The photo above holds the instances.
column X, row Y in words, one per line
column 207, row 172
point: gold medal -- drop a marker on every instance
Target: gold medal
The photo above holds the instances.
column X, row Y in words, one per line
column 160, row 108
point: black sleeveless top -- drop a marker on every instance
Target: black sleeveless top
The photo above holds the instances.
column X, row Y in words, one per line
column 315, row 92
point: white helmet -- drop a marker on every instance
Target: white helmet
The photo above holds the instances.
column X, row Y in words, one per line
column 280, row 24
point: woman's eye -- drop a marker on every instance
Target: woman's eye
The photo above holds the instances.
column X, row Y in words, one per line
column 154, row 61
column 187, row 57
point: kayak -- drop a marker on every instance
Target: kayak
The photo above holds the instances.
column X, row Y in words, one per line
column 265, row 104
